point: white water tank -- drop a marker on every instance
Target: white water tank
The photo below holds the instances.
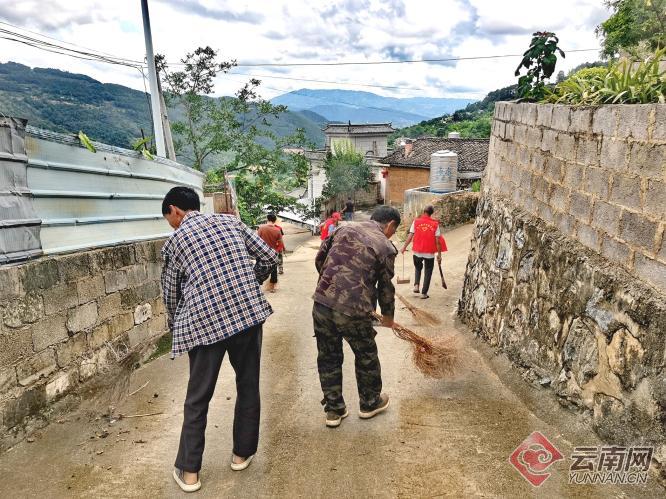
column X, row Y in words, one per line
column 454, row 135
column 443, row 171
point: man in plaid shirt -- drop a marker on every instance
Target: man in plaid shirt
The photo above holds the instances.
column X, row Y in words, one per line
column 213, row 267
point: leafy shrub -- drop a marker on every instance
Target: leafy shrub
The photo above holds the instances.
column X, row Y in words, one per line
column 476, row 186
column 621, row 83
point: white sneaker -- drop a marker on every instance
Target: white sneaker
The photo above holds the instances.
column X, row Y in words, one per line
column 241, row 466
column 185, row 487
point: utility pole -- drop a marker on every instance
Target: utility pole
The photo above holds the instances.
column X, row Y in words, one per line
column 168, row 138
column 152, row 79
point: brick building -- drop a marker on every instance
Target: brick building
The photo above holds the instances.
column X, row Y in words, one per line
column 409, row 166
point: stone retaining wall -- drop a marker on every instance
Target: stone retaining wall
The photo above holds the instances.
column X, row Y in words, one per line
column 566, row 274
column 68, row 319
column 452, row 208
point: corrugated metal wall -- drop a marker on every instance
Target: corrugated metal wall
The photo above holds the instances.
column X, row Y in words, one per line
column 87, row 199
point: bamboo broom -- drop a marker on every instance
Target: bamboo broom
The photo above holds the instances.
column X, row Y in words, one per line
column 434, row 357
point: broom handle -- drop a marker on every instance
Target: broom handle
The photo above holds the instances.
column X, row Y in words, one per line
column 403, row 266
column 441, row 273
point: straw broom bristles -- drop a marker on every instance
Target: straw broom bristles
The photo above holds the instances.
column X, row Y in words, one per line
column 434, row 357
column 425, row 318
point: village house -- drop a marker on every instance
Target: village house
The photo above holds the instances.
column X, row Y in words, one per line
column 408, row 167
column 369, row 139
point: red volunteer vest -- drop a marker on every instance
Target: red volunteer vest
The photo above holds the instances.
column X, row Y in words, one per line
column 424, row 235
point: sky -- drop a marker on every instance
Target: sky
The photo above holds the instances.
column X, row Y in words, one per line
column 307, row 31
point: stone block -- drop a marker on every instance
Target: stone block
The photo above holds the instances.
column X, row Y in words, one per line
column 49, row 331
column 565, row 223
column 538, row 162
column 545, row 212
column 633, row 120
column 520, row 134
column 565, row 147
column 655, row 199
column 651, row 271
column 82, row 317
column 60, row 298
column 616, row 251
column 553, row 170
column 636, row 230
column 561, row 118
column 606, row 217
column 648, row 160
column 508, row 133
column 121, row 324
column 559, row 198
column 10, row 283
column 70, row 351
column 533, row 139
column 108, row 306
column 74, row 267
column 26, row 310
column 613, row 154
column 587, row 151
column 581, row 206
column 574, row 175
column 154, row 271
column 142, row 313
column 588, row 236
column 581, row 120
column 136, row 275
column 597, row 181
column 604, row 121
column 15, row 344
column 662, row 251
column 99, row 336
column 658, row 132
column 115, row 280
column 151, row 290
column 544, row 115
column 27, row 404
column 626, row 191
column 138, row 334
column 529, row 116
column 115, row 257
column 548, row 140
column 39, row 275
column 158, row 306
column 60, row 385
column 90, row 289
column 39, row 365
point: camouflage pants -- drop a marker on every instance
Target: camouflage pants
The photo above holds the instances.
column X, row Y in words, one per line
column 330, row 328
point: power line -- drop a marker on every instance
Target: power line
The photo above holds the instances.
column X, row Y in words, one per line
column 369, row 63
column 66, row 43
column 329, row 81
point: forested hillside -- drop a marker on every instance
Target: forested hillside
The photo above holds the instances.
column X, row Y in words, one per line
column 114, row 114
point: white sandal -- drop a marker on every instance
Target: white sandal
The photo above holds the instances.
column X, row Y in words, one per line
column 241, row 466
column 185, row 487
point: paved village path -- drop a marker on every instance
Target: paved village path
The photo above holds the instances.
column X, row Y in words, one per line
column 447, row 438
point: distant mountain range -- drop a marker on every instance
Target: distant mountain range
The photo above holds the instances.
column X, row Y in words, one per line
column 366, row 107
column 114, row 114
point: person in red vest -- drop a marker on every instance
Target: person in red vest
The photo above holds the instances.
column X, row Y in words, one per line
column 427, row 237
column 329, row 225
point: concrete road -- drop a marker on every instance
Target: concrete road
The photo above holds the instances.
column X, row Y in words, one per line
column 440, row 438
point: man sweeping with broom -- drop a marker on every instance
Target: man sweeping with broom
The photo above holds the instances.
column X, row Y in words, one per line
column 355, row 268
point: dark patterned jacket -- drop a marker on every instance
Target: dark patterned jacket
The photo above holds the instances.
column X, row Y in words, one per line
column 356, row 265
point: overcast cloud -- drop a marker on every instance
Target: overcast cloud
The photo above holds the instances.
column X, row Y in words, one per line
column 315, row 31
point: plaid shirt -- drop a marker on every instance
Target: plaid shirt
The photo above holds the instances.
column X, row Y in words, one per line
column 213, row 267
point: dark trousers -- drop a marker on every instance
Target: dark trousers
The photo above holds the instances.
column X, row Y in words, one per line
column 429, row 264
column 330, row 328
column 274, row 275
column 244, row 354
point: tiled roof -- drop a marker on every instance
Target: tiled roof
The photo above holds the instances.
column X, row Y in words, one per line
column 472, row 153
column 359, row 128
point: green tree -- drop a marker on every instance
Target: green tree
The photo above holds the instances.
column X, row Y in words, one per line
column 637, row 27
column 239, row 127
column 346, row 171
column 539, row 60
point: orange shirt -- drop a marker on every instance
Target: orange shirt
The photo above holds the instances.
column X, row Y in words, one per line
column 271, row 235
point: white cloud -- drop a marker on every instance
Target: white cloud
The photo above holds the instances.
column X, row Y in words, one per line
column 314, row 31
